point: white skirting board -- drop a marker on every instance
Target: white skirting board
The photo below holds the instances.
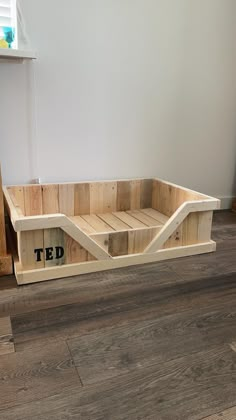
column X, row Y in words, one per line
column 226, row 202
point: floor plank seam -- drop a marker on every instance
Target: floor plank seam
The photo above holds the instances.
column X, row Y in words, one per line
column 75, row 367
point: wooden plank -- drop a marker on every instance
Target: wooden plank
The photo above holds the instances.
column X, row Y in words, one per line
column 229, row 414
column 74, row 252
column 118, row 244
column 135, row 194
column 144, row 218
column 161, row 218
column 32, row 276
column 129, row 220
column 85, row 226
column 96, row 197
column 28, row 242
column 6, row 336
column 50, row 197
column 146, row 193
column 82, row 199
column 109, row 197
column 37, row 372
column 54, row 247
column 3, row 248
column 204, row 226
column 139, row 239
column 33, row 200
column 123, row 195
column 97, row 224
column 6, row 265
column 66, row 199
column 103, row 197
column 18, row 198
column 113, row 221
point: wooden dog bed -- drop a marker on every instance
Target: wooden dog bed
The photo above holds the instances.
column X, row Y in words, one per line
column 73, row 228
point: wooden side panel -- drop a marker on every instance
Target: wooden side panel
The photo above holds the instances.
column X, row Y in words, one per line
column 66, row 199
column 139, row 239
column 73, row 251
column 18, row 193
column 204, row 226
column 118, row 244
column 82, row 199
column 167, row 198
column 54, row 247
column 28, row 242
column 50, row 197
column 146, row 193
column 196, row 228
column 33, row 200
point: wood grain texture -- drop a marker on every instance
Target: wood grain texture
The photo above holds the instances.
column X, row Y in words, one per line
column 37, row 372
column 229, row 414
column 185, row 388
column 82, row 199
column 6, row 336
column 33, row 200
column 66, row 199
column 50, row 197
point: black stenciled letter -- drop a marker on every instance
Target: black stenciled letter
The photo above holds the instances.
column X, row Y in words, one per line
column 59, row 252
column 48, row 252
column 38, row 254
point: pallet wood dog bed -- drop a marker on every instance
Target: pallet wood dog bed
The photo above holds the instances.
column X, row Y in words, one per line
column 74, row 228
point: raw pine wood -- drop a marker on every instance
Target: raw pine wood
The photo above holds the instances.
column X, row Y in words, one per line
column 182, row 216
column 74, row 252
column 28, row 242
column 66, row 199
column 113, row 221
column 144, row 218
column 129, row 220
column 51, row 239
column 33, row 200
column 82, row 199
column 50, row 194
column 97, row 224
column 81, row 222
column 6, row 337
column 18, row 198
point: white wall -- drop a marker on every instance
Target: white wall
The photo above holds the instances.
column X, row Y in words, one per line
column 124, row 88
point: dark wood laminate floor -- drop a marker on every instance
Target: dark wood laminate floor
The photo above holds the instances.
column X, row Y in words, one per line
column 154, row 342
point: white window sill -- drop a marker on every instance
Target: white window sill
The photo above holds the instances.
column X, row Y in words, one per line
column 11, row 54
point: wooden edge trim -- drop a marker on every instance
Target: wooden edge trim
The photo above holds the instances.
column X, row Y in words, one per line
column 43, row 274
column 45, row 221
column 12, row 210
column 140, row 229
column 203, row 196
column 177, row 218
